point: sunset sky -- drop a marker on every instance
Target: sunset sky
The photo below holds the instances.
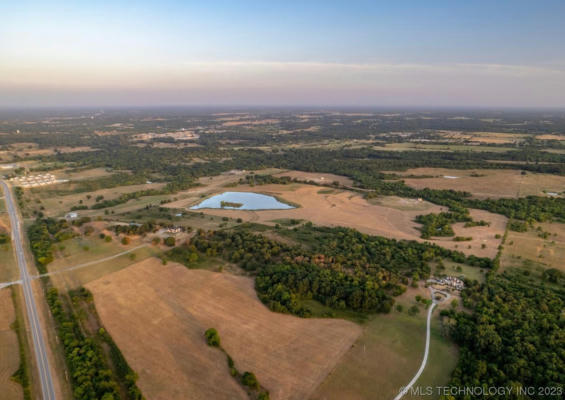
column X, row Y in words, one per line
column 323, row 53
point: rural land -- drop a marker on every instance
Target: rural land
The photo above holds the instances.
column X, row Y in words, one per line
column 284, row 254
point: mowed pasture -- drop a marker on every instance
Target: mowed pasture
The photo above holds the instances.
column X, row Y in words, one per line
column 350, row 209
column 9, row 351
column 157, row 315
column 523, row 249
column 388, row 354
column 493, row 183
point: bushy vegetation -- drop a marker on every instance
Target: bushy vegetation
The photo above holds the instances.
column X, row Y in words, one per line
column 514, row 337
column 42, row 234
column 90, row 376
column 340, row 268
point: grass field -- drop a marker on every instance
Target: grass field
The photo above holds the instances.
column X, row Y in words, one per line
column 58, row 206
column 74, row 253
column 528, row 251
column 469, row 272
column 388, row 354
column 8, row 267
column 317, row 177
column 403, row 204
column 9, row 352
column 350, row 209
column 442, row 147
column 487, row 182
column 157, row 315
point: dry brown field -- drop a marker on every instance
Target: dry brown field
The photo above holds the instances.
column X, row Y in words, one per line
column 157, row 315
column 545, row 253
column 550, row 137
column 317, row 177
column 496, row 183
column 349, row 209
column 9, row 351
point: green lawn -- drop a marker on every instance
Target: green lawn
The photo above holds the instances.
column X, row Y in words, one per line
column 386, row 357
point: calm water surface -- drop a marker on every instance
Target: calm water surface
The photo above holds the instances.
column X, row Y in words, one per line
column 249, row 201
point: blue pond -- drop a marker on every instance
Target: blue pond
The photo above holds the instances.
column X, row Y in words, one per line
column 248, row 201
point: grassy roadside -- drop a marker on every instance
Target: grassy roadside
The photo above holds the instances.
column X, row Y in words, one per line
column 22, row 375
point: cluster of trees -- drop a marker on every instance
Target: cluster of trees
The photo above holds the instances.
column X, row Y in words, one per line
column 91, row 377
column 514, row 337
column 341, row 267
column 440, row 224
column 42, row 234
column 247, row 379
column 256, row 179
column 135, row 229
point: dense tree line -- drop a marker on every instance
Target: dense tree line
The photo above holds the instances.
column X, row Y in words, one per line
column 338, row 267
column 135, row 229
column 90, row 376
column 515, row 337
column 42, row 234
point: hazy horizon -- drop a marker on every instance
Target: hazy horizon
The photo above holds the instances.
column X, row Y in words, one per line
column 321, row 54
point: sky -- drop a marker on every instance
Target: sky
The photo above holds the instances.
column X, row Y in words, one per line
column 455, row 53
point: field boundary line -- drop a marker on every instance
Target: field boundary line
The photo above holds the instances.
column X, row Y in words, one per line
column 90, row 263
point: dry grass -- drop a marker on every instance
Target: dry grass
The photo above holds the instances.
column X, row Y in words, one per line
column 9, row 351
column 317, row 177
column 388, row 354
column 550, row 137
column 58, row 206
column 24, row 150
column 495, row 183
column 349, row 209
column 157, row 315
column 545, row 253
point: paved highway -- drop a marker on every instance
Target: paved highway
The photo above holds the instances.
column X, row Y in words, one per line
column 39, row 347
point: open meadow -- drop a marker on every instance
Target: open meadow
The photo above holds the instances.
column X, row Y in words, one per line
column 388, row 353
column 484, row 183
column 334, row 207
column 536, row 250
column 157, row 314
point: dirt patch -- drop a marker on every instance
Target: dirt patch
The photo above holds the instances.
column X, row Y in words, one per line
column 157, row 315
column 10, row 359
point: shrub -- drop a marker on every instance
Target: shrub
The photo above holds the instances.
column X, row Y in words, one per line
column 249, row 379
column 212, row 337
